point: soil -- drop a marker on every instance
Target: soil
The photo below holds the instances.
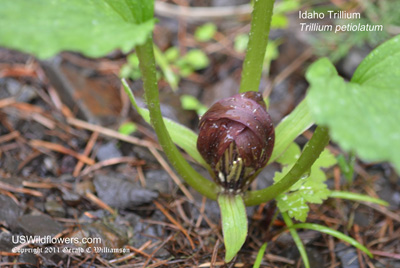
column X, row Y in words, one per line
column 66, row 171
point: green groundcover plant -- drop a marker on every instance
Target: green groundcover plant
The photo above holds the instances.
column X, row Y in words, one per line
column 361, row 115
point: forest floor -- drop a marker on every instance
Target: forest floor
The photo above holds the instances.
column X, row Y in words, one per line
column 67, row 171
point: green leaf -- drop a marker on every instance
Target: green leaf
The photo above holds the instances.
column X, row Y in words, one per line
column 260, row 256
column 191, row 103
column 127, row 128
column 297, row 240
column 169, row 75
column 196, row 59
column 205, row 32
column 181, row 135
column 332, row 232
column 172, row 54
column 347, row 166
column 92, row 27
column 234, row 223
column 291, row 155
column 311, row 188
column 298, row 121
column 279, row 21
column 241, row 42
column 357, row 197
column 363, row 116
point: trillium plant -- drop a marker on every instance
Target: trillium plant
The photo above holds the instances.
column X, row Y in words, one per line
column 236, row 138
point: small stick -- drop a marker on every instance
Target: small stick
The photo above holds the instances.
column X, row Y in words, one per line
column 86, row 152
column 10, row 136
column 165, row 212
column 99, row 202
column 142, row 179
column 112, row 161
column 109, row 132
column 6, row 102
column 175, row 178
column 214, row 254
column 8, row 187
column 61, row 149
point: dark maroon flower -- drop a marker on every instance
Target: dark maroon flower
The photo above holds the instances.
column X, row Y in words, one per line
column 236, row 139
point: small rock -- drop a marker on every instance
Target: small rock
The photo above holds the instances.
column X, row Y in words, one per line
column 108, row 151
column 71, row 198
column 6, row 242
column 41, row 225
column 28, row 260
column 102, row 234
column 10, row 164
column 347, row 256
column 54, row 208
column 158, row 180
column 143, row 232
column 120, row 193
column 83, row 187
column 96, row 214
column 9, row 211
column 23, row 93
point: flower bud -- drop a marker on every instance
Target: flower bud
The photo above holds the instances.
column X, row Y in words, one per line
column 236, row 139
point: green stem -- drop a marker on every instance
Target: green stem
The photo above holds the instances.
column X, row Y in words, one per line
column 258, row 40
column 311, row 152
column 147, row 66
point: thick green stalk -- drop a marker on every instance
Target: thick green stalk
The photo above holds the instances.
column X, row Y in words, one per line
column 311, row 152
column 148, row 68
column 258, row 40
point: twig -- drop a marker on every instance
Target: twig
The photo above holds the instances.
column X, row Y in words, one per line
column 110, row 133
column 175, row 178
column 201, row 13
column 112, row 161
column 86, row 152
column 214, row 254
column 99, row 202
column 154, row 252
column 61, row 149
column 8, row 187
column 28, row 159
column 165, row 212
column 386, row 254
column 384, row 211
column 140, row 173
column 6, row 102
column 288, row 71
column 10, row 136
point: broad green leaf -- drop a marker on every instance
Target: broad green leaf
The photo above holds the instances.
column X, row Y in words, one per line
column 181, row 135
column 311, row 188
column 298, row 121
column 234, row 223
column 363, row 115
column 291, row 154
column 92, row 27
column 332, row 232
